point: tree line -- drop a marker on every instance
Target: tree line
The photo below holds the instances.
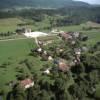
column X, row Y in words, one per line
column 4, row 34
column 71, row 15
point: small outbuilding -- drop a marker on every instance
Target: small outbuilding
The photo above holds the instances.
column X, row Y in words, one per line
column 27, row 83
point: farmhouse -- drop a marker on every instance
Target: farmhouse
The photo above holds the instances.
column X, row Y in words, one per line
column 39, row 50
column 50, row 58
column 65, row 36
column 62, row 65
column 47, row 71
column 56, row 31
column 27, row 83
column 20, row 31
column 77, row 51
column 76, row 34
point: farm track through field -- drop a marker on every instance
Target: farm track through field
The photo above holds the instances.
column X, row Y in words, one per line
column 12, row 39
column 21, row 38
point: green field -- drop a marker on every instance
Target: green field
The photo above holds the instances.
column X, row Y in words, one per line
column 11, row 24
column 11, row 54
column 93, row 37
column 16, row 48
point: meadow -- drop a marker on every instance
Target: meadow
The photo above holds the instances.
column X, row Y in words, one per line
column 11, row 24
column 12, row 53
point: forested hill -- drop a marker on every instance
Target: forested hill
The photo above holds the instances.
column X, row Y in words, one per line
column 40, row 3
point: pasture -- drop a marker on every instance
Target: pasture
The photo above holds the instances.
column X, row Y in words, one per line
column 12, row 53
column 11, row 24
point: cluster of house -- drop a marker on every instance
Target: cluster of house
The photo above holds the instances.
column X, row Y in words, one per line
column 70, row 36
column 41, row 52
column 62, row 64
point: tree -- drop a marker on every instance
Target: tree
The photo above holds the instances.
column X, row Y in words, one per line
column 18, row 93
column 30, row 94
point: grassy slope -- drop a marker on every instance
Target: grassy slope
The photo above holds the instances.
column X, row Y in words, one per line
column 15, row 48
column 9, row 24
column 13, row 52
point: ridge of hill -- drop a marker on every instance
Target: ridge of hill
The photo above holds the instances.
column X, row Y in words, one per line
column 40, row 3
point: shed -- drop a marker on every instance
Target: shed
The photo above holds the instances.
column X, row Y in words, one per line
column 27, row 83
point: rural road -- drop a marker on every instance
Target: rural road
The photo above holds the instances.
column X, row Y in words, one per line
column 21, row 38
column 13, row 39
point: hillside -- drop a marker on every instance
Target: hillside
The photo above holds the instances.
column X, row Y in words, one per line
column 40, row 3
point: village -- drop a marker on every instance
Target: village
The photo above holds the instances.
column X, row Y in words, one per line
column 60, row 61
column 63, row 57
column 49, row 50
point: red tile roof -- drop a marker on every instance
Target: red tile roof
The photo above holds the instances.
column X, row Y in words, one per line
column 63, row 66
column 65, row 35
column 25, row 82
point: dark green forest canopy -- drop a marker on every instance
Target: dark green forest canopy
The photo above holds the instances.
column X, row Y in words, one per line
column 71, row 15
column 40, row 3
